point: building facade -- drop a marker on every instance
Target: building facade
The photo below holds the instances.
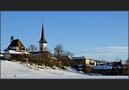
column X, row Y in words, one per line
column 15, row 49
column 82, row 63
column 43, row 42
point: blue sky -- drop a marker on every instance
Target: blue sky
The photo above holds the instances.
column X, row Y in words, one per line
column 96, row 34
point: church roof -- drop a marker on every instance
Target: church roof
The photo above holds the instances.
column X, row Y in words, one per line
column 16, row 43
column 43, row 36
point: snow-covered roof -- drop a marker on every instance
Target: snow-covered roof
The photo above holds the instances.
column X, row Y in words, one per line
column 15, row 44
column 13, row 52
column 17, row 52
column 1, row 55
column 103, row 67
column 78, row 57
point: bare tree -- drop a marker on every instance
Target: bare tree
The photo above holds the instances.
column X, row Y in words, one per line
column 58, row 51
column 32, row 48
column 67, row 53
column 62, row 56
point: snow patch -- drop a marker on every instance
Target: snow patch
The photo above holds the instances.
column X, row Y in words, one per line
column 15, row 70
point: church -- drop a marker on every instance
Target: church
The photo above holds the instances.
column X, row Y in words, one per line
column 17, row 48
column 43, row 55
column 42, row 45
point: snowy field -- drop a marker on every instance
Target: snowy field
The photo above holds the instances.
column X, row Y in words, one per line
column 15, row 70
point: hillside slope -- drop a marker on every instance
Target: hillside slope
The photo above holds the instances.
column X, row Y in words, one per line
column 15, row 70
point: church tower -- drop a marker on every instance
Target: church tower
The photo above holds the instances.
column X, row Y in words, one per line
column 43, row 42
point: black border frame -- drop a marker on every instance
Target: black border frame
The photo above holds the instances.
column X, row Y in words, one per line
column 64, row 5
column 58, row 5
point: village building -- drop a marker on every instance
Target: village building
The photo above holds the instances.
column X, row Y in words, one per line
column 102, row 62
column 80, row 63
column 15, row 49
column 43, row 50
column 83, row 60
column 42, row 44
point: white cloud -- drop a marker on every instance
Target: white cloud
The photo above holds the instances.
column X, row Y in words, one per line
column 109, row 52
column 112, row 49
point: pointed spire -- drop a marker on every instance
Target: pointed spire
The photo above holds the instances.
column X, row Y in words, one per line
column 43, row 35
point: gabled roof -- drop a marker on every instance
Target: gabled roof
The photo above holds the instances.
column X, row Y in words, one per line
column 16, row 43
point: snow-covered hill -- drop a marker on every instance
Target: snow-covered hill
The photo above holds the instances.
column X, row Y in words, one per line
column 15, row 70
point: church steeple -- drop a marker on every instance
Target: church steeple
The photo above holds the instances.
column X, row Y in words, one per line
column 43, row 35
column 43, row 42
